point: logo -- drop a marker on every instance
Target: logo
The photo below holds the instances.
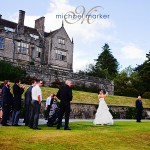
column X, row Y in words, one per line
column 81, row 15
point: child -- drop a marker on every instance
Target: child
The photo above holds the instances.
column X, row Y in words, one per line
column 53, row 114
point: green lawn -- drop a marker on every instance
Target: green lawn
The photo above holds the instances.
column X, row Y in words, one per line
column 87, row 97
column 84, row 136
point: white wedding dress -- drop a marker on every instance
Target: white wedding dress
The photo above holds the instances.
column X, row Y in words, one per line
column 103, row 116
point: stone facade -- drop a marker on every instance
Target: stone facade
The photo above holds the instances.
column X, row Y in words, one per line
column 51, row 53
column 87, row 111
column 26, row 45
column 51, row 75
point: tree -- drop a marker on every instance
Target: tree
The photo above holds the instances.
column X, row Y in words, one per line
column 125, row 81
column 106, row 65
column 143, row 72
column 10, row 72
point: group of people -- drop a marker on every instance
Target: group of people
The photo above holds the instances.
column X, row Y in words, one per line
column 33, row 99
column 11, row 102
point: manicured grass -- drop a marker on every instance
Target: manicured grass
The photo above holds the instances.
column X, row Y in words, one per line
column 84, row 136
column 87, row 97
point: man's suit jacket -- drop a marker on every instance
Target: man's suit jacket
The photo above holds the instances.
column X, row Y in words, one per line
column 18, row 91
column 65, row 93
column 7, row 97
column 139, row 105
column 28, row 96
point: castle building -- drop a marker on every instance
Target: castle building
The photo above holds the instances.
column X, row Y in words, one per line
column 42, row 54
column 25, row 45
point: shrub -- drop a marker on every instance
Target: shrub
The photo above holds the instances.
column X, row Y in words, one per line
column 28, row 80
column 146, row 95
column 92, row 89
column 10, row 72
column 56, row 83
column 131, row 113
column 130, row 91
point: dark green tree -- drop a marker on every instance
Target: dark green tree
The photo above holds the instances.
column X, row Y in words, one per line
column 106, row 65
column 124, row 83
column 143, row 72
column 10, row 72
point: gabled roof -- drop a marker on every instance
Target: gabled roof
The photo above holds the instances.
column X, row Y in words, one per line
column 10, row 24
column 31, row 30
column 52, row 33
column 6, row 23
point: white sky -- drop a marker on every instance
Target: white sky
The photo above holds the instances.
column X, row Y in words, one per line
column 126, row 30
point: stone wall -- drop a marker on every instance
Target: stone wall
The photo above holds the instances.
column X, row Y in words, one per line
column 87, row 111
column 50, row 76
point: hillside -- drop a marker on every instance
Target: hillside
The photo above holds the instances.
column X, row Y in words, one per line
column 86, row 97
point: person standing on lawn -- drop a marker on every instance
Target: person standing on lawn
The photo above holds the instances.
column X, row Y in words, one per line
column 65, row 95
column 28, row 99
column 139, row 109
column 35, row 105
column 17, row 91
column 7, row 99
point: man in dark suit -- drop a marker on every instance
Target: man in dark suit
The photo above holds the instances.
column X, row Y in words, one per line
column 139, row 109
column 65, row 95
column 28, row 99
column 7, row 99
column 17, row 91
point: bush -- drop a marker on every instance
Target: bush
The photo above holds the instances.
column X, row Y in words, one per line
column 131, row 113
column 10, row 72
column 28, row 80
column 146, row 95
column 92, row 89
column 130, row 91
column 57, row 84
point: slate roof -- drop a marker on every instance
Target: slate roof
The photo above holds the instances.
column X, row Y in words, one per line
column 6, row 23
column 13, row 25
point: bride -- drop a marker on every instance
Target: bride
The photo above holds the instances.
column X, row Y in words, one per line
column 103, row 116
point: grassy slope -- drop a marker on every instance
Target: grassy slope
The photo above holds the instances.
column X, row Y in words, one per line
column 86, row 97
column 85, row 136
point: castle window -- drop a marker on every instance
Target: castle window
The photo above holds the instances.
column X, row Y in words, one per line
column 19, row 47
column 38, row 52
column 1, row 43
column 23, row 47
column 32, row 52
column 61, row 41
column 34, row 36
column 60, row 55
column 7, row 29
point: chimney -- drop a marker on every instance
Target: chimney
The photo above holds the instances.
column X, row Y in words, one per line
column 21, row 21
column 39, row 25
column 21, row 17
column 0, row 16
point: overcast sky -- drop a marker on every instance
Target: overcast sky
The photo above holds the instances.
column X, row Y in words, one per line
column 125, row 27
